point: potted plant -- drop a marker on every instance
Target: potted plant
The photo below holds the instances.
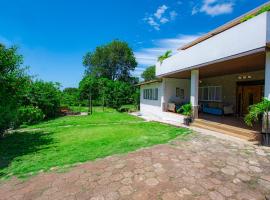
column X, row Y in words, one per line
column 186, row 110
column 260, row 111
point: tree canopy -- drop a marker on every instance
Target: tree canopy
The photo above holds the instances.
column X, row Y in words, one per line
column 113, row 61
column 149, row 73
column 13, row 81
column 166, row 55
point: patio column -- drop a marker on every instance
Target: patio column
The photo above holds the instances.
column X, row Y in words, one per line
column 267, row 76
column 162, row 97
column 266, row 89
column 194, row 92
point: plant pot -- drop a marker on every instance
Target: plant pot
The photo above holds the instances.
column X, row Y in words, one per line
column 266, row 139
column 187, row 121
column 266, row 131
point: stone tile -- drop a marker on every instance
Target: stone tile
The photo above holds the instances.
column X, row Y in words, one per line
column 125, row 190
column 151, row 182
column 225, row 191
column 216, row 196
column 203, row 167
column 243, row 177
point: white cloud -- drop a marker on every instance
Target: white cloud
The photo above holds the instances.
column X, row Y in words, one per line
column 195, row 10
column 173, row 15
column 164, row 20
column 215, row 7
column 160, row 11
column 148, row 56
column 161, row 16
column 151, row 21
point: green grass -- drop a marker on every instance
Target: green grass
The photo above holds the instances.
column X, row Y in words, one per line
column 68, row 140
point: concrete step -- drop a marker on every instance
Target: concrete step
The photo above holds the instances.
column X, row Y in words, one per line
column 242, row 133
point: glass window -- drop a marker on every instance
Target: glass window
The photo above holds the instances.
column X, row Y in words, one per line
column 218, row 96
column 210, row 93
column 156, row 94
column 205, row 93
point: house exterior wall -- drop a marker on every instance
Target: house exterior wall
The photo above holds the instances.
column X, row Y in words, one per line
column 229, row 84
column 166, row 94
column 250, row 35
column 170, row 90
column 151, row 107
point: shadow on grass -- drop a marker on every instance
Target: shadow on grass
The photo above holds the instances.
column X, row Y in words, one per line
column 18, row 144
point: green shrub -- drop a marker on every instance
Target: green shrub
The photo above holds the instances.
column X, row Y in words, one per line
column 29, row 115
column 46, row 96
column 185, row 109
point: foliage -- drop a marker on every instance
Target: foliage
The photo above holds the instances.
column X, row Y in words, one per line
column 13, row 82
column 113, row 61
column 70, row 97
column 87, row 83
column 149, row 73
column 29, row 115
column 46, row 96
column 257, row 110
column 166, row 55
column 107, row 92
column 185, row 109
column 68, row 140
column 262, row 10
column 127, row 108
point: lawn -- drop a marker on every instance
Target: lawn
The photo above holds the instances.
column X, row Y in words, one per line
column 67, row 140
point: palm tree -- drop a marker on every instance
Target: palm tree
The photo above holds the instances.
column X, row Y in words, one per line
column 166, row 55
column 255, row 112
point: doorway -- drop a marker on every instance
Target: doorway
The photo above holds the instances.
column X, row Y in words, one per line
column 248, row 93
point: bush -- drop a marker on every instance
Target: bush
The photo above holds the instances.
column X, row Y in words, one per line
column 29, row 115
column 46, row 96
column 185, row 109
column 13, row 82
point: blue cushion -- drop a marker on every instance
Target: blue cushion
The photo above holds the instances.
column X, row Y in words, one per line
column 214, row 111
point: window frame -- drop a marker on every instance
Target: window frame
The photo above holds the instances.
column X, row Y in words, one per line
column 210, row 97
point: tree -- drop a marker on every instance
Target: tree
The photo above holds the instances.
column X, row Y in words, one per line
column 70, row 96
column 166, row 55
column 84, row 88
column 13, row 82
column 114, row 61
column 45, row 96
column 255, row 112
column 149, row 73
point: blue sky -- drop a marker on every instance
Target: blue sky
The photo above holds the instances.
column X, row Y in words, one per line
column 53, row 35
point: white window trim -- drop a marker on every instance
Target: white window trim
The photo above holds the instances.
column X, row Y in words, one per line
column 209, row 99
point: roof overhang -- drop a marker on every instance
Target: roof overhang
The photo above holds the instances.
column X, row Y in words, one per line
column 222, row 28
column 247, row 38
column 241, row 63
column 149, row 82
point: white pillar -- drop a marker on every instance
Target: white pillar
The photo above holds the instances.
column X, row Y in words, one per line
column 266, row 88
column 163, row 97
column 194, row 92
column 267, row 76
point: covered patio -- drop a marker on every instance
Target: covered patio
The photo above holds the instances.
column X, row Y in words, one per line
column 221, row 91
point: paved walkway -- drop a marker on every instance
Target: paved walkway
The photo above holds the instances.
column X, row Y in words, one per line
column 204, row 167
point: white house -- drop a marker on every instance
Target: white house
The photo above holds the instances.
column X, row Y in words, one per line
column 220, row 73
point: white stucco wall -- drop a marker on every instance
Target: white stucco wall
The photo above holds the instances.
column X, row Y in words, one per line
column 151, row 107
column 166, row 94
column 170, row 90
column 247, row 36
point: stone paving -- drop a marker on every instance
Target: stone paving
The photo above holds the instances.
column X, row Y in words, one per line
column 203, row 167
